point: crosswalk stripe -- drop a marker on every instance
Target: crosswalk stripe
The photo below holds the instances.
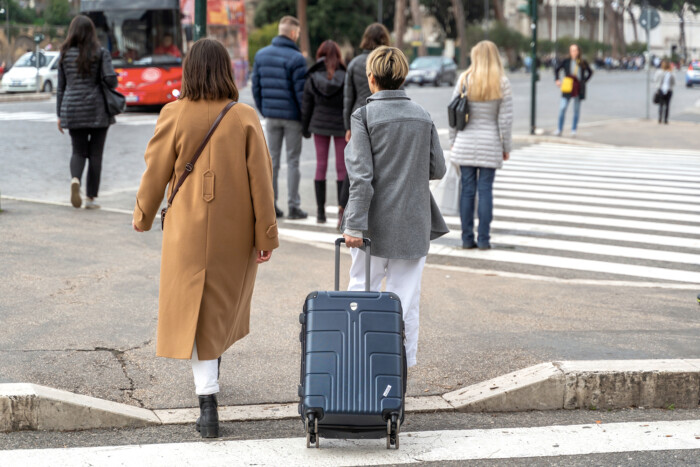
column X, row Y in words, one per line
column 532, row 154
column 597, row 194
column 584, row 209
column 557, row 149
column 502, row 256
column 599, row 173
column 46, row 117
column 589, row 186
column 560, row 197
column 415, row 447
column 556, row 178
column 603, row 170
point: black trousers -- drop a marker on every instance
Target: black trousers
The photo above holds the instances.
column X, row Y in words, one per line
column 664, row 104
column 88, row 144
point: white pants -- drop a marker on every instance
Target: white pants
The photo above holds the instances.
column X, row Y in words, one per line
column 403, row 277
column 206, row 374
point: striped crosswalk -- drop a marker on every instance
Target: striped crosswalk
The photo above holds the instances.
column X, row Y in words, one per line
column 599, row 211
column 47, row 117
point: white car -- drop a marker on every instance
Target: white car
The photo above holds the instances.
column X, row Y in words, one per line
column 23, row 77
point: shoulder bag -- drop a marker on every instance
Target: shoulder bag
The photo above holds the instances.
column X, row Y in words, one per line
column 115, row 102
column 458, row 111
column 190, row 165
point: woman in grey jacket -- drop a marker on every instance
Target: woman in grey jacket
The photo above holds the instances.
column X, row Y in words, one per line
column 80, row 104
column 393, row 154
column 485, row 142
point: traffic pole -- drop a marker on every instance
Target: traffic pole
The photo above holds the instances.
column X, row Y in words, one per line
column 648, row 62
column 200, row 19
column 534, row 75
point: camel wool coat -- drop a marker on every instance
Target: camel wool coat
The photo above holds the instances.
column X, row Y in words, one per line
column 222, row 214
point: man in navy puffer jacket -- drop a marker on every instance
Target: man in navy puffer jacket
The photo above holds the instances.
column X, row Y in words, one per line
column 278, row 86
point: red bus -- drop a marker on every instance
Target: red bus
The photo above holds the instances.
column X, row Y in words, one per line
column 147, row 40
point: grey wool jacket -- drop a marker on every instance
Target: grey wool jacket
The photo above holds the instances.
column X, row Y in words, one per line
column 390, row 160
column 488, row 133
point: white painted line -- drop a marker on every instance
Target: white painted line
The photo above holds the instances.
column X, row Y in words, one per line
column 597, row 155
column 416, row 447
column 594, row 193
column 577, row 264
column 603, row 181
column 635, row 152
column 584, row 209
column 514, row 257
column 600, row 174
column 589, row 248
column 604, row 170
column 600, row 200
column 556, row 182
column 607, row 166
column 67, row 205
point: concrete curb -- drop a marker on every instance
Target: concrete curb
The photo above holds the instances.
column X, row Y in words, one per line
column 28, row 97
column 596, row 384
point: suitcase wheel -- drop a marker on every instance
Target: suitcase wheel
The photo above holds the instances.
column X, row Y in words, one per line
column 393, row 426
column 312, row 431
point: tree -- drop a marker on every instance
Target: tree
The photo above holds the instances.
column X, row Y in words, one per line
column 680, row 8
column 400, row 22
column 304, row 33
column 460, row 20
column 418, row 21
column 57, row 12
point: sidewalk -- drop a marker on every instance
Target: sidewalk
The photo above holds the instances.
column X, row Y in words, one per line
column 79, row 311
column 627, row 132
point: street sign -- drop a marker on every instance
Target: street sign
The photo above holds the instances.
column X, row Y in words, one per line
column 651, row 20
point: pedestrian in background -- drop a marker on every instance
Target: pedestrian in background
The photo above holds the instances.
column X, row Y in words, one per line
column 393, row 154
column 357, row 91
column 485, row 142
column 576, row 72
column 220, row 226
column 665, row 81
column 279, row 74
column 322, row 115
column 80, row 105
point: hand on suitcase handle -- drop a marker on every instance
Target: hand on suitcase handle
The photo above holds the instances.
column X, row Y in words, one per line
column 353, row 242
column 368, row 244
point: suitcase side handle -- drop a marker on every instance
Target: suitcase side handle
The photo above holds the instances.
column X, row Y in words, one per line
column 368, row 246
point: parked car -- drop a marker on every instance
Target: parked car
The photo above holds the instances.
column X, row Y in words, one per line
column 23, row 77
column 434, row 70
column 692, row 76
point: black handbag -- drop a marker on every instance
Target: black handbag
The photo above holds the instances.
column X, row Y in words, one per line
column 657, row 97
column 458, row 111
column 115, row 102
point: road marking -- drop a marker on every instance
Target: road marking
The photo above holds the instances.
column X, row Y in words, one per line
column 604, row 182
column 600, row 174
column 623, row 188
column 47, row 117
column 416, row 447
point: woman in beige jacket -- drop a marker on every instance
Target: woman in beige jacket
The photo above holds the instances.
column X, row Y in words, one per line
column 220, row 226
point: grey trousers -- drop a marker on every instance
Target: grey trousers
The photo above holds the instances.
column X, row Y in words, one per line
column 289, row 131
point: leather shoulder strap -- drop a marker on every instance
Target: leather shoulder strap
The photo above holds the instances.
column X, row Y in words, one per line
column 190, row 165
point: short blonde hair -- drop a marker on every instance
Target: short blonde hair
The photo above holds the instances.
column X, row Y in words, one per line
column 288, row 24
column 483, row 78
column 389, row 67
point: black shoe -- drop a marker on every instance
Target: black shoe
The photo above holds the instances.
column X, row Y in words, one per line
column 208, row 422
column 485, row 247
column 278, row 212
column 320, row 189
column 296, row 213
column 469, row 247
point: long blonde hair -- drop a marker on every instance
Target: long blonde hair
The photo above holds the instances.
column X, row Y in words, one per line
column 485, row 73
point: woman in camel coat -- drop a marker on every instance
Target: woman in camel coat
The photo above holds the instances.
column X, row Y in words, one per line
column 220, row 226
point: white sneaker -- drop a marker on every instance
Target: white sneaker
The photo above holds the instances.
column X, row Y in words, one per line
column 75, row 198
column 557, row 133
column 573, row 133
column 91, row 204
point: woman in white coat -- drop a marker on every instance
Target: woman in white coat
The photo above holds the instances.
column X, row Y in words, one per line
column 485, row 142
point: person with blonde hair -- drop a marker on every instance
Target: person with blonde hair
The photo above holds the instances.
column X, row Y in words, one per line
column 665, row 81
column 393, row 154
column 482, row 146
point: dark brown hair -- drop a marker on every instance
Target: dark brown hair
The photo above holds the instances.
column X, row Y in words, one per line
column 82, row 34
column 207, row 74
column 375, row 36
column 333, row 58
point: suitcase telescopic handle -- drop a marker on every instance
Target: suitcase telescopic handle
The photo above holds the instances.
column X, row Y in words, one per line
column 368, row 245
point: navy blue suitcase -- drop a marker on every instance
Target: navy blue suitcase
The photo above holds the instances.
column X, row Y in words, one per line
column 353, row 363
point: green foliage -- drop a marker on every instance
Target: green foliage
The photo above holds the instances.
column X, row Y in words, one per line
column 260, row 38
column 636, row 48
column 21, row 15
column 339, row 20
column 444, row 14
column 589, row 48
column 58, row 12
column 507, row 38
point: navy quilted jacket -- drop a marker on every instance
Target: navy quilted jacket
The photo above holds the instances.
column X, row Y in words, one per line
column 279, row 75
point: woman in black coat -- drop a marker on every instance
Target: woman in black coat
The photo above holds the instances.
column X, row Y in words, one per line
column 322, row 115
column 80, row 104
column 577, row 72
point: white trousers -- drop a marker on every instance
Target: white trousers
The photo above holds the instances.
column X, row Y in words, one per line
column 206, row 374
column 403, row 277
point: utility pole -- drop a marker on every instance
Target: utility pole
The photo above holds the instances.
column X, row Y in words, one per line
column 577, row 23
column 535, row 75
column 380, row 11
column 7, row 31
column 648, row 60
column 200, row 19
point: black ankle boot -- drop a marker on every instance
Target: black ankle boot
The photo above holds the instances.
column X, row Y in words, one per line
column 208, row 422
column 320, row 187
